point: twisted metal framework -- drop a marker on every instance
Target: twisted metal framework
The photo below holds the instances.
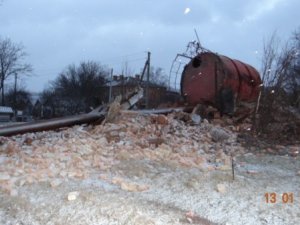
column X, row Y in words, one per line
column 193, row 49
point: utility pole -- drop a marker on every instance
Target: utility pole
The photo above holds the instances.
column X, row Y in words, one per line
column 110, row 85
column 146, row 67
column 148, row 78
column 15, row 96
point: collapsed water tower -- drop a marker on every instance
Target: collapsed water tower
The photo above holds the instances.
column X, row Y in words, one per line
column 217, row 80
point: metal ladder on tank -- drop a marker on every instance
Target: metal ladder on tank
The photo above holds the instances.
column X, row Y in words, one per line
column 175, row 74
column 193, row 49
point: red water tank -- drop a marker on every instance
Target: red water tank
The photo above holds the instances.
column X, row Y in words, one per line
column 220, row 81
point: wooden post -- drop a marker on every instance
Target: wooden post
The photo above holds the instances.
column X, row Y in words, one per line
column 110, row 85
column 15, row 97
column 232, row 166
column 148, row 80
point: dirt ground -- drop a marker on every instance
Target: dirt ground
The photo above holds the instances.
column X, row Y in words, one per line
column 175, row 178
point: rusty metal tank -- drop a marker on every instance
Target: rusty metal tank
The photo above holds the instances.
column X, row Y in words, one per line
column 219, row 81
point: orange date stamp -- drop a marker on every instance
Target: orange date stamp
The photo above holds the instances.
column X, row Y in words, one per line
column 284, row 198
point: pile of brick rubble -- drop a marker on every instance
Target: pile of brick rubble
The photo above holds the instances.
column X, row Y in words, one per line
column 88, row 151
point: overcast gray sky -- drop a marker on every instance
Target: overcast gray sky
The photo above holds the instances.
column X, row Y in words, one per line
column 56, row 33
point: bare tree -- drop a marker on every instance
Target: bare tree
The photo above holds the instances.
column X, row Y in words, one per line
column 157, row 76
column 293, row 83
column 11, row 62
column 278, row 76
column 18, row 99
column 126, row 69
column 78, row 88
column 51, row 104
column 276, row 63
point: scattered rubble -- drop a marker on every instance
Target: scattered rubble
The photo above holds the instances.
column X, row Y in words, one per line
column 153, row 157
column 221, row 188
column 161, row 119
column 55, row 183
column 79, row 152
column 73, row 195
column 192, row 218
column 114, row 110
column 219, row 134
column 252, row 172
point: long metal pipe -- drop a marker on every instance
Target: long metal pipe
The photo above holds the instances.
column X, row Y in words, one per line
column 160, row 111
column 51, row 124
column 97, row 115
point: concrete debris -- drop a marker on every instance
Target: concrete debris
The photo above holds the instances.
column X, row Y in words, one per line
column 114, row 110
column 185, row 117
column 4, row 176
column 192, row 218
column 11, row 148
column 162, row 162
column 252, row 172
column 196, row 119
column 72, row 195
column 219, row 134
column 84, row 151
column 55, row 183
column 132, row 187
column 223, row 158
column 221, row 188
column 13, row 193
column 294, row 151
column 161, row 119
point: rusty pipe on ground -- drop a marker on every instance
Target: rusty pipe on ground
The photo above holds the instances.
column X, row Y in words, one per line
column 51, row 124
column 97, row 115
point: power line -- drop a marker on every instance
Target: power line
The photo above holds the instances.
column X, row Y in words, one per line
column 126, row 60
column 46, row 72
column 124, row 56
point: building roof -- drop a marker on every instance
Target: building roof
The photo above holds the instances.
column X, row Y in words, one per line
column 129, row 81
column 122, row 81
column 6, row 109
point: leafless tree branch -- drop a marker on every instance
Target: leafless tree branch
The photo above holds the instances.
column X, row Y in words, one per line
column 11, row 62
